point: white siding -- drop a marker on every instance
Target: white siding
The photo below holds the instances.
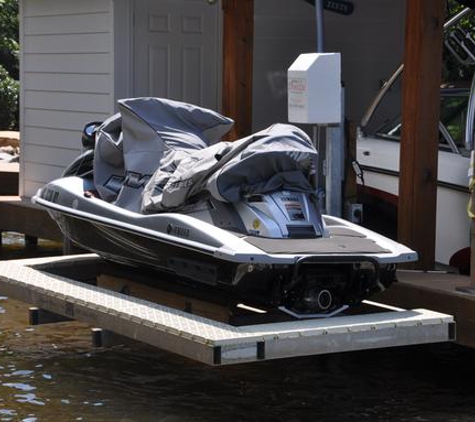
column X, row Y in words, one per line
column 66, row 81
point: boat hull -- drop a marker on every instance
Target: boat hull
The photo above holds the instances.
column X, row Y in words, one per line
column 306, row 275
column 348, row 280
column 133, row 249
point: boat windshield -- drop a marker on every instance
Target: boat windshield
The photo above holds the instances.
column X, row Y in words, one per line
column 453, row 116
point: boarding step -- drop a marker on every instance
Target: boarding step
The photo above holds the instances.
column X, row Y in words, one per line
column 42, row 282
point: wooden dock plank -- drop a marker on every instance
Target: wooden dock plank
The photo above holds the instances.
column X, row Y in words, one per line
column 24, row 217
column 438, row 292
column 173, row 300
column 9, row 178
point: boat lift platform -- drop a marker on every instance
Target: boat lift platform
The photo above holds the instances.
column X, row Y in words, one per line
column 57, row 285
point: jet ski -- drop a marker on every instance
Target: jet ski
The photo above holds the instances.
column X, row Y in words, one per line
column 157, row 188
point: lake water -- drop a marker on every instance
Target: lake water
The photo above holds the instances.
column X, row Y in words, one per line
column 52, row 373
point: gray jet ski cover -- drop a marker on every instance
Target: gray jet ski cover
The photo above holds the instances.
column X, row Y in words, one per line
column 159, row 155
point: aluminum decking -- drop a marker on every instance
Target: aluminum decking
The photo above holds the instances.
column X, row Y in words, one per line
column 203, row 339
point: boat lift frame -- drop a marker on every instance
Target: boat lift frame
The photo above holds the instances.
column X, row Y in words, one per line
column 36, row 281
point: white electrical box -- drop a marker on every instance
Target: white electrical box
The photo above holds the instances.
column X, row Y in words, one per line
column 314, row 89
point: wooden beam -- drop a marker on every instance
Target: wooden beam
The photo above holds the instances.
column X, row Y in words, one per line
column 439, row 292
column 420, row 117
column 23, row 217
column 9, row 178
column 238, row 33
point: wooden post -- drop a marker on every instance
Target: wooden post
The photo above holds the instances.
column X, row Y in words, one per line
column 420, row 117
column 238, row 33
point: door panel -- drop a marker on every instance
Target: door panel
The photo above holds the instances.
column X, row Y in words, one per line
column 176, row 50
column 158, row 72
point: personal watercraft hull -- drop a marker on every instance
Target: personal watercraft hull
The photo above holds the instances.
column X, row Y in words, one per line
column 308, row 276
column 161, row 189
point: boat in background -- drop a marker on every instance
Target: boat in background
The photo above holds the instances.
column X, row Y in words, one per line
column 378, row 146
column 378, row 157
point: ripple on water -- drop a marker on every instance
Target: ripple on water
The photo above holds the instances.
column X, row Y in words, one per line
column 19, row 386
column 7, row 412
column 29, row 398
column 23, row 372
column 14, row 247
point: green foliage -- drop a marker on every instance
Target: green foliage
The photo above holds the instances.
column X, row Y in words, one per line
column 9, row 51
column 9, row 67
column 9, row 89
column 9, row 46
column 453, row 70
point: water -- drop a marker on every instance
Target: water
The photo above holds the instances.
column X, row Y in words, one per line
column 14, row 247
column 51, row 373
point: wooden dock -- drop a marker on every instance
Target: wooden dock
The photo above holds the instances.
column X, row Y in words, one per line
column 23, row 217
column 9, row 178
column 438, row 291
column 18, row 215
